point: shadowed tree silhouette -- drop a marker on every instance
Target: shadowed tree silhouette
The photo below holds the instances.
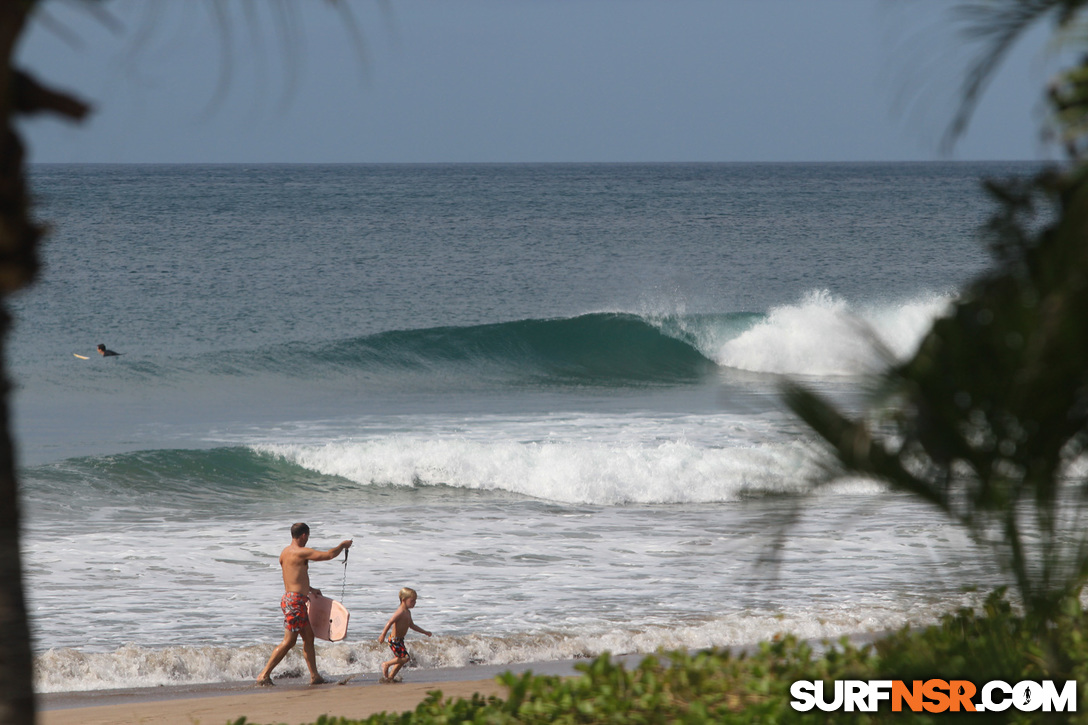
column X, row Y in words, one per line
column 989, row 420
column 22, row 95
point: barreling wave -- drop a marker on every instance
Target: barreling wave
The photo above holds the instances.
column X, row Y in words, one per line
column 820, row 335
column 598, row 348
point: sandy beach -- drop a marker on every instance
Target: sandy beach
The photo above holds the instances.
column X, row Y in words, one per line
column 282, row 704
column 291, row 701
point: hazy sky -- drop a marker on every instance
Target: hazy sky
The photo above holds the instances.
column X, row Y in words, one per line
column 522, row 80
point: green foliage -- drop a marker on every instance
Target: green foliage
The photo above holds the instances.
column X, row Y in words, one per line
column 989, row 420
column 716, row 686
column 994, row 644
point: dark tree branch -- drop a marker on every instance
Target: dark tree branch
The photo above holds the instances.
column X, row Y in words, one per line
column 30, row 97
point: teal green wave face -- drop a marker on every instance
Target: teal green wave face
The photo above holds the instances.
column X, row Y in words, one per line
column 600, row 348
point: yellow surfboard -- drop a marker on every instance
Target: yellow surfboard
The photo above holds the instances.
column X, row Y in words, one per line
column 81, row 357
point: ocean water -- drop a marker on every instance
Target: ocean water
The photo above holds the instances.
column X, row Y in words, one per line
column 544, row 396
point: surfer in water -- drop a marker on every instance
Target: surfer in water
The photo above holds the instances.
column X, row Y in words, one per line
column 295, row 561
column 106, row 353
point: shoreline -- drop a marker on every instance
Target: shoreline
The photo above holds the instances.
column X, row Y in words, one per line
column 91, row 698
column 291, row 700
column 294, row 700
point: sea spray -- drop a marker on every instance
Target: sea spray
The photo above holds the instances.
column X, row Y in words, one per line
column 826, row 336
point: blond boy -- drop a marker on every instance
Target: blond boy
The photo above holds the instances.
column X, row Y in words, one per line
column 400, row 623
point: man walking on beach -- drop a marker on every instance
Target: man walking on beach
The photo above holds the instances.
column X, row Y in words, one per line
column 295, row 561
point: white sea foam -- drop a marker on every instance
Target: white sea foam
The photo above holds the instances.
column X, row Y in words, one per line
column 826, row 336
column 73, row 670
column 577, row 472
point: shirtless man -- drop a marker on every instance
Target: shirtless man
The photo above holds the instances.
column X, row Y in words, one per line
column 295, row 561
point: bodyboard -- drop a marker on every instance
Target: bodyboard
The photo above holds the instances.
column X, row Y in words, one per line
column 328, row 618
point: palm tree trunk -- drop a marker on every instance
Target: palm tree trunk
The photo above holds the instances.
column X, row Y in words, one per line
column 16, row 665
column 18, row 263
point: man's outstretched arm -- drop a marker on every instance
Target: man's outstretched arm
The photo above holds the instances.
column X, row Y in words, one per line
column 314, row 555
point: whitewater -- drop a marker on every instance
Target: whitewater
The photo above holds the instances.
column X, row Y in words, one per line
column 546, row 397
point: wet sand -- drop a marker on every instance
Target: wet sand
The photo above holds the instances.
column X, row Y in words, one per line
column 281, row 704
column 290, row 701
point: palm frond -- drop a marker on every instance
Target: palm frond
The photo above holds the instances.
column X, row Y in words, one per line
column 996, row 25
